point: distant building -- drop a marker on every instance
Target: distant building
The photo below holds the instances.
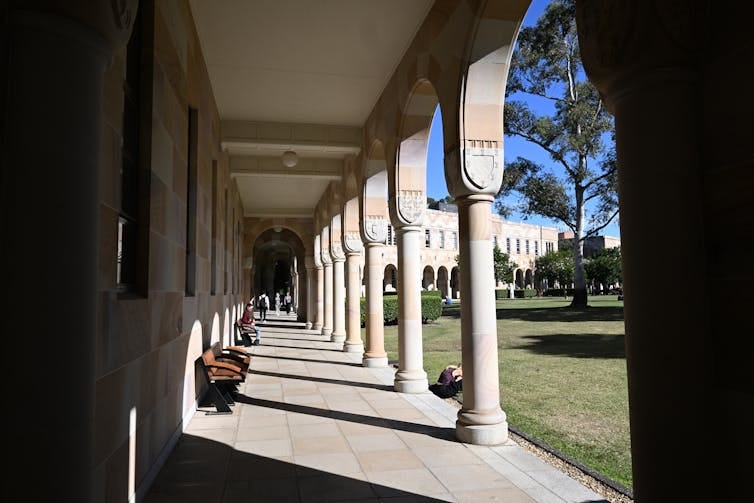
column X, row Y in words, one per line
column 592, row 245
column 522, row 242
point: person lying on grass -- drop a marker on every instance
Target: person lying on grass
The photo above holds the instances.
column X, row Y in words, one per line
column 449, row 383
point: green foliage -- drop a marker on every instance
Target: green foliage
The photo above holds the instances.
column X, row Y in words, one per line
column 431, row 307
column 555, row 266
column 577, row 134
column 605, row 267
column 504, row 267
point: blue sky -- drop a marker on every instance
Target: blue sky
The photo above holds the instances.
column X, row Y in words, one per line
column 513, row 147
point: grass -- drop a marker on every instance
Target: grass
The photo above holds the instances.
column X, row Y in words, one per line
column 562, row 374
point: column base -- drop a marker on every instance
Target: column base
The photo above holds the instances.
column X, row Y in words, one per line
column 337, row 337
column 327, row 331
column 411, row 382
column 317, row 326
column 374, row 362
column 307, row 326
column 482, row 434
column 353, row 347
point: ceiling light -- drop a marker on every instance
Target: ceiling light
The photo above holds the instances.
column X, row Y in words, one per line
column 277, row 229
column 290, row 158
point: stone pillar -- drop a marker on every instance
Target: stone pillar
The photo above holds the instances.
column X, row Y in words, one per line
column 319, row 288
column 52, row 113
column 338, row 295
column 480, row 421
column 328, row 292
column 374, row 355
column 654, row 84
column 352, row 246
column 319, row 320
column 310, row 294
column 410, row 377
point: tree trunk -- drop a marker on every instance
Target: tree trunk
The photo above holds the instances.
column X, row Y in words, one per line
column 579, row 280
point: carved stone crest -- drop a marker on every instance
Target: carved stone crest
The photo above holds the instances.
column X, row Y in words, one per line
column 375, row 229
column 480, row 166
column 352, row 243
column 336, row 251
column 411, row 205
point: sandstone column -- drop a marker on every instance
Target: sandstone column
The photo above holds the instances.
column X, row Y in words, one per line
column 310, row 293
column 338, row 294
column 52, row 105
column 374, row 232
column 410, row 377
column 319, row 291
column 644, row 58
column 480, row 421
column 352, row 246
column 328, row 284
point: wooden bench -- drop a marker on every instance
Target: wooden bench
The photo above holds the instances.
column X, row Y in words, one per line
column 245, row 334
column 233, row 355
column 223, row 378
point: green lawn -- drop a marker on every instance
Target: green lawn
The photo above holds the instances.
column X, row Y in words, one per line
column 562, row 374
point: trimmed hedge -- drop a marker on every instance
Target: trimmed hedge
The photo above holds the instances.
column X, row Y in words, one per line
column 431, row 307
column 559, row 292
column 518, row 293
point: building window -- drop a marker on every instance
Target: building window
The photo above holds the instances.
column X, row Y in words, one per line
column 191, row 161
column 527, row 246
column 508, row 246
column 427, row 238
column 518, row 247
column 494, row 238
column 226, row 240
column 455, row 240
column 133, row 213
column 442, row 239
column 390, row 235
column 536, row 248
column 213, row 243
column 549, row 247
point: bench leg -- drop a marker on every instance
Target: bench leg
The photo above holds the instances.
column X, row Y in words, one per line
column 217, row 397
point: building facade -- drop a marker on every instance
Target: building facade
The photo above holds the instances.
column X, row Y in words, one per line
column 158, row 157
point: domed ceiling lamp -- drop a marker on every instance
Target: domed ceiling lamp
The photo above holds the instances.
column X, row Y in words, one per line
column 290, row 158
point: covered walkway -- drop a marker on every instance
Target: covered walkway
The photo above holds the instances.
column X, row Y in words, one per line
column 311, row 424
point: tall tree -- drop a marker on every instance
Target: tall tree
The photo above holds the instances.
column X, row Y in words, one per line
column 577, row 136
column 555, row 266
column 605, row 267
column 504, row 267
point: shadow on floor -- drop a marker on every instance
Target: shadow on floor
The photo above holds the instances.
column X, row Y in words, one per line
column 203, row 470
column 395, row 424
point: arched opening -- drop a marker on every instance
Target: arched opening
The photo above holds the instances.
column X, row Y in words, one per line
column 428, row 278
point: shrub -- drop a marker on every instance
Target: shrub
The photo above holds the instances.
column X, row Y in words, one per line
column 431, row 307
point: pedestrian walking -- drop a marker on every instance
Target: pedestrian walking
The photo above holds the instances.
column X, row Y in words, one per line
column 264, row 305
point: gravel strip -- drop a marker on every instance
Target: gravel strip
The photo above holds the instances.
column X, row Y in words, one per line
column 596, row 485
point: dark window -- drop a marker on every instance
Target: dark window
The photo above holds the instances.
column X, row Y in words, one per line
column 191, row 174
column 133, row 212
column 213, row 244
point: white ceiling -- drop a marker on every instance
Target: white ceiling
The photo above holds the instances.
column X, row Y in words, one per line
column 299, row 62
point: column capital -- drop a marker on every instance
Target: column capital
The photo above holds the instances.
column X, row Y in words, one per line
column 407, row 207
column 109, row 23
column 627, row 43
column 326, row 257
column 336, row 253
column 374, row 229
column 309, row 263
column 470, row 199
column 352, row 243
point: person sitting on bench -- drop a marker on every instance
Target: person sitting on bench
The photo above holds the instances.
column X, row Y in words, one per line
column 246, row 324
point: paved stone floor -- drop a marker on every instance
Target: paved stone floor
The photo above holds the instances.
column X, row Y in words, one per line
column 310, row 424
